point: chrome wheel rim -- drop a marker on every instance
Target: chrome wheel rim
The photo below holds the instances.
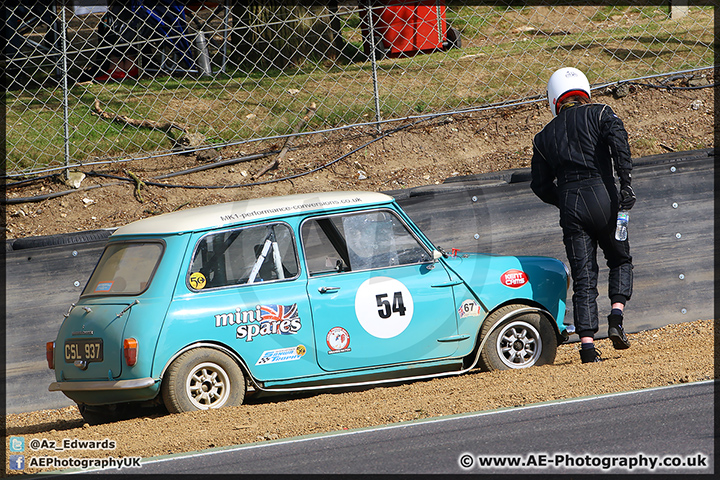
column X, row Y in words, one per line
column 518, row 345
column 208, row 386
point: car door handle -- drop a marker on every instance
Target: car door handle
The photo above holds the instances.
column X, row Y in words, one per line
column 448, row 284
column 328, row 289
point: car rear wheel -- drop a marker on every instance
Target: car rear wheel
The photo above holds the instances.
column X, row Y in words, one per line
column 517, row 340
column 201, row 379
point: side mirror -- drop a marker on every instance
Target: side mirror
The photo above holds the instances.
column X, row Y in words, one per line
column 340, row 266
column 436, row 255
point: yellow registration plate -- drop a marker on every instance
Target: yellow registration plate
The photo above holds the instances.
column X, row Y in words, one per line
column 85, row 349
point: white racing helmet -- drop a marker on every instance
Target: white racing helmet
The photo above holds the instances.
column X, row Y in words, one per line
column 565, row 82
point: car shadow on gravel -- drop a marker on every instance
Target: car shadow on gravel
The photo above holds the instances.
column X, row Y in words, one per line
column 58, row 425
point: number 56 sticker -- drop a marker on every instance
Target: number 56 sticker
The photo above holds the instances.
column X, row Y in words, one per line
column 384, row 307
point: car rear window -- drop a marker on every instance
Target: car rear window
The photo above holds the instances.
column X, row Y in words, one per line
column 125, row 269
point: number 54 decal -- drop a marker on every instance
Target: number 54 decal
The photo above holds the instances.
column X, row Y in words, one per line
column 386, row 311
column 384, row 307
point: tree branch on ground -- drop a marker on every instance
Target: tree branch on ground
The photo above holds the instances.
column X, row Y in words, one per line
column 152, row 124
column 288, row 141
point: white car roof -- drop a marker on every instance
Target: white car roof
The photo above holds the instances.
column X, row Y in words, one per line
column 233, row 213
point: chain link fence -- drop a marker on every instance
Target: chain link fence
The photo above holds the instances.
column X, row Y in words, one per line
column 90, row 84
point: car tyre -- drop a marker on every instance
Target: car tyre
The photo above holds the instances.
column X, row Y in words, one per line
column 62, row 239
column 201, row 379
column 517, row 340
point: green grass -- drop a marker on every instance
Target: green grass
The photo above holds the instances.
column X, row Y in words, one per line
column 495, row 64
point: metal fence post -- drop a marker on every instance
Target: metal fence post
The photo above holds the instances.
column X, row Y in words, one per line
column 438, row 16
column 226, row 34
column 373, row 62
column 66, row 115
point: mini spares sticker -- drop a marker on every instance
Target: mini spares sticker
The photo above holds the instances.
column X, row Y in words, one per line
column 263, row 320
column 514, row 278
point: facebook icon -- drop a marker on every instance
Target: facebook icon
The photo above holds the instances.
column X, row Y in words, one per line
column 17, row 462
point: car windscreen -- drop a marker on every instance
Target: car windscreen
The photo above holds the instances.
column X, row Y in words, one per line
column 125, row 269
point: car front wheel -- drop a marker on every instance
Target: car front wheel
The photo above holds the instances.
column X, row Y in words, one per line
column 201, row 379
column 517, row 340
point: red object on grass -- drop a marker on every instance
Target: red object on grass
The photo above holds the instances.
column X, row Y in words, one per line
column 117, row 73
column 408, row 28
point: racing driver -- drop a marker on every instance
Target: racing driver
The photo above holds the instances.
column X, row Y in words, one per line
column 572, row 168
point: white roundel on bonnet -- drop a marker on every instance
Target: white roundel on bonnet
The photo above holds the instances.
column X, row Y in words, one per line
column 563, row 81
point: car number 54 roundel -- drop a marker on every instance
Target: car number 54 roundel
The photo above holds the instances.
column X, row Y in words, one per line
column 384, row 307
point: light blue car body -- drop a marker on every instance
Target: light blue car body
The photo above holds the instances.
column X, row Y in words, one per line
column 308, row 330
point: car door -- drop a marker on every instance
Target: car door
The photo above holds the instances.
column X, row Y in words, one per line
column 377, row 296
column 243, row 289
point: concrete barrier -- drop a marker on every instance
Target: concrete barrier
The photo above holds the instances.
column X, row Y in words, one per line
column 671, row 234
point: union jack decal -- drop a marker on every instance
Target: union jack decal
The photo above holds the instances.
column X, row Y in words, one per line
column 278, row 313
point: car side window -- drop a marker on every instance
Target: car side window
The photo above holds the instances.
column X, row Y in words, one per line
column 244, row 256
column 360, row 241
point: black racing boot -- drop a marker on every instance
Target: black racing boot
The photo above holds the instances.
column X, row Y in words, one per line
column 616, row 332
column 590, row 355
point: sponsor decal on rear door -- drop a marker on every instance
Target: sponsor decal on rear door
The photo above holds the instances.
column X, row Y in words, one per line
column 262, row 320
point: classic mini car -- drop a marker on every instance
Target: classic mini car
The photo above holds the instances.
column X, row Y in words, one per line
column 195, row 308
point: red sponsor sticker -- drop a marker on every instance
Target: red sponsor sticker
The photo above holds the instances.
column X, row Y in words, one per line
column 514, row 278
column 338, row 339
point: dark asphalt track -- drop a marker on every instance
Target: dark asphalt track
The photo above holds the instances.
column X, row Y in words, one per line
column 671, row 234
column 637, row 426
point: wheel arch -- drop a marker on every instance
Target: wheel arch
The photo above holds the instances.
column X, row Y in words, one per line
column 215, row 346
column 538, row 308
column 530, row 307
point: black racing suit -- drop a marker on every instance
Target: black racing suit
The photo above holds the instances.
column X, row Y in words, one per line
column 572, row 168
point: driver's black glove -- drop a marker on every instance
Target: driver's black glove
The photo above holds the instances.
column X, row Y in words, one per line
column 627, row 194
column 627, row 197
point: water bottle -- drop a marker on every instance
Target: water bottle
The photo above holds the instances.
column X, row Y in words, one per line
column 622, row 224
